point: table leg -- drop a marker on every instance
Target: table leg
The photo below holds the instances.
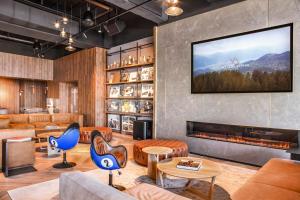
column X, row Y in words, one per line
column 212, row 185
column 161, row 177
column 208, row 196
column 152, row 165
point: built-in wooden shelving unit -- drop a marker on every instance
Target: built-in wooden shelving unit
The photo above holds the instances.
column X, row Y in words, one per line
column 129, row 85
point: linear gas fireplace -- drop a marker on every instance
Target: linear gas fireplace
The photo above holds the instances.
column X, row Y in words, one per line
column 258, row 136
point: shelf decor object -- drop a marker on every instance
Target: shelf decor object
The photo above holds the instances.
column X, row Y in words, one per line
column 129, row 86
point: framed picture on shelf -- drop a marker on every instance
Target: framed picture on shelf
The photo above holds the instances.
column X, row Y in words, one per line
column 113, row 105
column 127, row 123
column 114, row 91
column 146, row 106
column 146, row 73
column 124, row 76
column 129, row 106
column 113, row 122
column 133, row 76
column 113, row 77
column 146, row 90
column 129, row 91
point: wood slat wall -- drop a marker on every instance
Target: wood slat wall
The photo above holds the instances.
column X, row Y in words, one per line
column 9, row 94
column 53, row 89
column 18, row 66
column 87, row 69
column 34, row 94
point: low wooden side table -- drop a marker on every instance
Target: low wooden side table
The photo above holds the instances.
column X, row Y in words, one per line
column 153, row 158
column 209, row 170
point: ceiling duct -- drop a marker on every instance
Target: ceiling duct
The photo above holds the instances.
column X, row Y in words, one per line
column 115, row 27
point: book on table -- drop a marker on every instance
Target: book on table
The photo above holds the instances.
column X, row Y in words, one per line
column 189, row 165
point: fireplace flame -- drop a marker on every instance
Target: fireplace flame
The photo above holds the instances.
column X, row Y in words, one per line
column 245, row 140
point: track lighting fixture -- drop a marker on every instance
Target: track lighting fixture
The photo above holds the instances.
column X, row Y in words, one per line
column 173, row 8
column 100, row 29
column 84, row 35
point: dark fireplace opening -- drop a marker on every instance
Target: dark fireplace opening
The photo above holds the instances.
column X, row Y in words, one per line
column 258, row 136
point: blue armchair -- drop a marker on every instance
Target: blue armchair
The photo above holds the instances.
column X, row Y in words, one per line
column 107, row 157
column 66, row 141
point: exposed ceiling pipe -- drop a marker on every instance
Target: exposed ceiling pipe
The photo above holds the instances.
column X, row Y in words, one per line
column 15, row 39
column 100, row 24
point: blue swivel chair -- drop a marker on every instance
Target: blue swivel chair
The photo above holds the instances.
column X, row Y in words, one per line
column 107, row 157
column 66, row 141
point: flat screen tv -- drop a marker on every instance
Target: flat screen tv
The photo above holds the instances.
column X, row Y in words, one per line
column 256, row 61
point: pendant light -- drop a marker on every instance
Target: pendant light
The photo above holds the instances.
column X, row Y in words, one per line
column 173, row 8
column 70, row 47
column 63, row 33
column 88, row 17
column 57, row 23
column 65, row 19
column 70, row 39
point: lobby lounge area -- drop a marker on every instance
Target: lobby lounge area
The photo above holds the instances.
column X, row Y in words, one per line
column 149, row 100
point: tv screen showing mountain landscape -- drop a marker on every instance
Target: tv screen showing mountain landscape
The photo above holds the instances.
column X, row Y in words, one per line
column 259, row 61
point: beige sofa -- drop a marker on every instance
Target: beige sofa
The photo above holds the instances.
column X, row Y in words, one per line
column 80, row 186
column 32, row 121
column 11, row 133
column 277, row 179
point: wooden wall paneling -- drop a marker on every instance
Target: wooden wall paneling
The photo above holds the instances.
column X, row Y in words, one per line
column 34, row 94
column 53, row 89
column 81, row 67
column 17, row 66
column 9, row 94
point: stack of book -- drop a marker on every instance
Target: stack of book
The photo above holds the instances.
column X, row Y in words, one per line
column 189, row 165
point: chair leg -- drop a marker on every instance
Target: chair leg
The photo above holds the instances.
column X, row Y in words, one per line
column 110, row 182
column 65, row 163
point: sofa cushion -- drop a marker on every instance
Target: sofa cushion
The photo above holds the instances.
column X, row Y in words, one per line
column 63, row 125
column 19, row 118
column 4, row 123
column 276, row 173
column 257, row 191
column 39, row 118
column 61, row 118
column 21, row 126
column 42, row 124
column 150, row 192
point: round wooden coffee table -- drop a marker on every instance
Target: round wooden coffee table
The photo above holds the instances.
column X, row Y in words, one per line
column 153, row 158
column 209, row 170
